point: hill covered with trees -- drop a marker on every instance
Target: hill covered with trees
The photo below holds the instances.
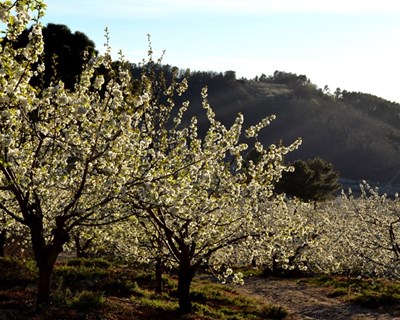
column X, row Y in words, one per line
column 357, row 132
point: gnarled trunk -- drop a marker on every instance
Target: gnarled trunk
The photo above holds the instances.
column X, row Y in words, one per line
column 185, row 277
column 45, row 254
column 159, row 272
column 45, row 262
column 82, row 246
column 46, row 267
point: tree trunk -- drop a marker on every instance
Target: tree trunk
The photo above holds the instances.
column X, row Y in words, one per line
column 45, row 272
column 81, row 249
column 159, row 272
column 45, row 254
column 45, row 264
column 2, row 242
column 185, row 277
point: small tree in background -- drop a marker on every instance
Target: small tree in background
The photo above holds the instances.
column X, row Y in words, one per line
column 62, row 56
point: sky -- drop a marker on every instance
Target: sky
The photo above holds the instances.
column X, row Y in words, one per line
column 350, row 44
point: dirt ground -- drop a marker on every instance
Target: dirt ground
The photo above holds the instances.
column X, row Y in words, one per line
column 307, row 302
column 302, row 300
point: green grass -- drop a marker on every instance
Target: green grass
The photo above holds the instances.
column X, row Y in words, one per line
column 82, row 286
column 158, row 303
column 17, row 272
column 80, row 277
column 371, row 293
column 85, row 286
column 223, row 302
column 87, row 300
column 273, row 312
column 82, row 300
column 210, row 301
column 249, row 271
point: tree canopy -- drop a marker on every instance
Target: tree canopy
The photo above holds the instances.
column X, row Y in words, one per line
column 99, row 152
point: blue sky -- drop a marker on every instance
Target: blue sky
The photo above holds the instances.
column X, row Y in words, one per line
column 351, row 44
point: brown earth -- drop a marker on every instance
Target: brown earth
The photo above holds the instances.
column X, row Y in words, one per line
column 307, row 302
column 302, row 300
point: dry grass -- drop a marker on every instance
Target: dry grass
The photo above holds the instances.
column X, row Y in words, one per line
column 89, row 291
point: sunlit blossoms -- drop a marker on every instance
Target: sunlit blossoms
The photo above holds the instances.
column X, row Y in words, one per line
column 65, row 155
column 127, row 170
column 101, row 153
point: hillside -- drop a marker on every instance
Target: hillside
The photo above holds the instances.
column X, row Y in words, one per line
column 359, row 133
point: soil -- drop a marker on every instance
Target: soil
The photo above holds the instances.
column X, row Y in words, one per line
column 302, row 300
column 305, row 302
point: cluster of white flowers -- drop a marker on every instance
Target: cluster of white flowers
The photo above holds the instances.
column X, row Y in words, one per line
column 253, row 131
column 100, row 153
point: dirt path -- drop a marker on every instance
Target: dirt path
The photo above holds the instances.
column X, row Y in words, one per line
column 307, row 302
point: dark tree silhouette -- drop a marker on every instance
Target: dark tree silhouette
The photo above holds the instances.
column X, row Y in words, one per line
column 312, row 180
column 64, row 53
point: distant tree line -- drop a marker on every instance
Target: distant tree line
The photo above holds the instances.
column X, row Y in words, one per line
column 63, row 54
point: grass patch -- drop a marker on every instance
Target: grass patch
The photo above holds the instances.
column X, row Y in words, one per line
column 82, row 286
column 273, row 312
column 17, row 272
column 87, row 300
column 158, row 303
column 371, row 293
column 210, row 301
column 222, row 302
column 78, row 278
column 375, row 300
column 250, row 271
column 339, row 292
column 82, row 301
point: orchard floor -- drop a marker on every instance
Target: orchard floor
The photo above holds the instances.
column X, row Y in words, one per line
column 306, row 302
column 302, row 300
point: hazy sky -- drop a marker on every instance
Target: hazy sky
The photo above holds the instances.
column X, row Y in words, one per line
column 351, row 44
